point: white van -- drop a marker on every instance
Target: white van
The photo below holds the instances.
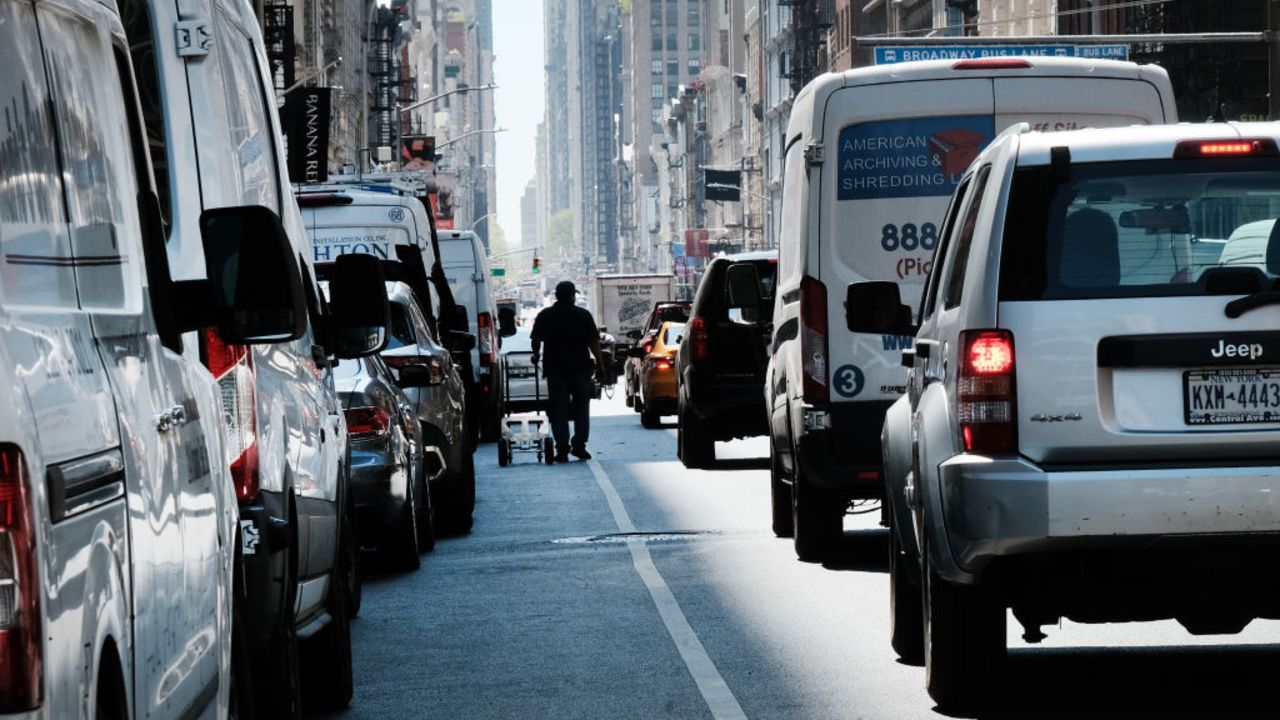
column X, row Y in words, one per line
column 210, row 116
column 872, row 156
column 467, row 267
column 116, row 499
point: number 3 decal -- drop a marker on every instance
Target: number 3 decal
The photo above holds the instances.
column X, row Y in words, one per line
column 848, row 381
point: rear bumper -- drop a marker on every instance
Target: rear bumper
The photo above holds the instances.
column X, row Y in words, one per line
column 378, row 487
column 731, row 410
column 997, row 507
column 846, row 454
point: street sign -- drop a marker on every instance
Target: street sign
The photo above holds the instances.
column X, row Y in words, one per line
column 890, row 54
column 499, row 272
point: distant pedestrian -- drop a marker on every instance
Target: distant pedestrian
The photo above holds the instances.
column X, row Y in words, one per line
column 572, row 343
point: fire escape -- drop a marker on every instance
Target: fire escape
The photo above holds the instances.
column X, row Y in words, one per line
column 385, row 74
column 810, row 21
column 282, row 50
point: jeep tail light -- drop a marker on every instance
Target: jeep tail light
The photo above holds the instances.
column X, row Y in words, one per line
column 20, row 627
column 484, row 321
column 232, row 367
column 699, row 341
column 365, row 423
column 985, row 408
column 813, row 339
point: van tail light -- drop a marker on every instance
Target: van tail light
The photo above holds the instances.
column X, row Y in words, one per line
column 813, row 339
column 232, row 367
column 366, row 423
column 698, row 339
column 1003, row 63
column 20, row 627
column 1264, row 147
column 985, row 408
column 486, row 339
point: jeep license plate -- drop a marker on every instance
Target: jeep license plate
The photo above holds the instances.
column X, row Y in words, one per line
column 1228, row 396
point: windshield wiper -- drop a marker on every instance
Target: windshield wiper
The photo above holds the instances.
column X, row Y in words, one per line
column 1240, row 306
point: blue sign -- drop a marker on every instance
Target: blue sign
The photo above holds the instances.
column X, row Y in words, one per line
column 889, row 55
column 917, row 157
column 848, row 381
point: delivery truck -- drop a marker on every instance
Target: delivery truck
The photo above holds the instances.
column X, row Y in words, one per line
column 622, row 303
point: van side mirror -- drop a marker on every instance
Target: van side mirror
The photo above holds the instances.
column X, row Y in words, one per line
column 254, row 291
column 460, row 341
column 459, row 319
column 743, row 283
column 506, row 322
column 876, row 307
column 359, row 312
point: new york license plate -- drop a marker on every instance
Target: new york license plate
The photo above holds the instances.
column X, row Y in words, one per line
column 1226, row 396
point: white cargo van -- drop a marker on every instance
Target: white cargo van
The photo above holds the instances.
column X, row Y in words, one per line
column 872, row 156
column 467, row 267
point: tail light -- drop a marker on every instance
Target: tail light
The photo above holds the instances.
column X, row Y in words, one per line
column 232, row 367
column 435, row 366
column 365, row 423
column 647, row 345
column 1226, row 148
column 1003, row 63
column 813, row 339
column 486, row 339
column 662, row 365
column 985, row 409
column 698, row 340
column 20, row 628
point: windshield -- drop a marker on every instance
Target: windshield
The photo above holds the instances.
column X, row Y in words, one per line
column 673, row 335
column 1140, row 229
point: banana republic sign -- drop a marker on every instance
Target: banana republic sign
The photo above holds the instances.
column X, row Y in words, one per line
column 307, row 128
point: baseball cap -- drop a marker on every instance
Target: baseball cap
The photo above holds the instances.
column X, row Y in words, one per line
column 565, row 290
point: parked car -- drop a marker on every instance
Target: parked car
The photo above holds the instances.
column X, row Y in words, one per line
column 721, row 362
column 391, row 502
column 467, row 267
column 120, row 576
column 1138, row 483
column 283, row 423
column 873, row 155
column 437, row 396
column 666, row 311
column 657, row 396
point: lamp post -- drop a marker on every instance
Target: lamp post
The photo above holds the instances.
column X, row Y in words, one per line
column 481, row 219
column 466, row 135
column 427, row 101
column 280, row 95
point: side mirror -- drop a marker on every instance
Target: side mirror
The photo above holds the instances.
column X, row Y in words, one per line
column 254, row 291
column 360, row 314
column 636, row 352
column 634, row 334
column 876, row 307
column 506, row 322
column 461, row 341
column 459, row 320
column 743, row 284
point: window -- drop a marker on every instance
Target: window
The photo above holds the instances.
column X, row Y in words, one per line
column 401, row 334
column 695, row 66
column 655, row 91
column 695, row 42
column 673, row 90
column 931, row 291
column 251, row 132
column 695, row 16
column 656, row 67
column 964, row 241
column 673, row 67
column 657, row 121
column 657, row 43
column 672, row 44
column 137, row 18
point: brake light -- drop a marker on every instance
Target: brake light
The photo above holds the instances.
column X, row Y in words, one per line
column 232, row 367
column 813, row 339
column 992, row 64
column 364, row 423
column 648, row 346
column 21, row 657
column 662, row 365
column 322, row 199
column 985, row 409
column 484, row 321
column 1225, row 148
column 699, row 342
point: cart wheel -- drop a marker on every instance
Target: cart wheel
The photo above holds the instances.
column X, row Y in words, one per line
column 504, row 453
column 548, row 451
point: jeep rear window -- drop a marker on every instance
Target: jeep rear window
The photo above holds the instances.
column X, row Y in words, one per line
column 1142, row 229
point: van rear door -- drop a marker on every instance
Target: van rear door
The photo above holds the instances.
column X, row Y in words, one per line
column 1053, row 104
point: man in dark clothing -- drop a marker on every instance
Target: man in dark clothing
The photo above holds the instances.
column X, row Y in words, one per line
column 572, row 340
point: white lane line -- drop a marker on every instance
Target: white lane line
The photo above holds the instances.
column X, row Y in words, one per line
column 715, row 691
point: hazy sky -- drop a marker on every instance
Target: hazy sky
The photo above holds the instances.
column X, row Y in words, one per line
column 517, row 45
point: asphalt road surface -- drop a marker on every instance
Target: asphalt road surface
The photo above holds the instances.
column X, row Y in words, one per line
column 630, row 587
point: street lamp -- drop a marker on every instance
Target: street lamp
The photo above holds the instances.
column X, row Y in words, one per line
column 481, row 219
column 433, row 98
column 280, row 95
column 466, row 135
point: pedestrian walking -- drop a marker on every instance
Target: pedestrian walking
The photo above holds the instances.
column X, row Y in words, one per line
column 572, row 358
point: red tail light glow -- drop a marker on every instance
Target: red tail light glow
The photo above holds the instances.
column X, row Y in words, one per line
column 232, row 367
column 1226, row 148
column 21, row 657
column 1003, row 63
column 699, row 342
column 485, row 338
column 986, row 389
column 813, row 339
column 647, row 346
column 662, row 365
column 364, row 423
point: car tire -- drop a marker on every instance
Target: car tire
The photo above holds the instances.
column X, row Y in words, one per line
column 964, row 640
column 278, row 687
column 629, row 400
column 463, row 497
column 697, row 449
column 548, row 451
column 817, row 519
column 650, row 420
column 402, row 543
column 504, row 453
column 426, row 517
column 240, row 700
column 906, row 617
column 329, row 677
column 780, row 499
column 491, row 425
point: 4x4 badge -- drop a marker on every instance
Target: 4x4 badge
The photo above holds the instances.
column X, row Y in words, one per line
column 1069, row 417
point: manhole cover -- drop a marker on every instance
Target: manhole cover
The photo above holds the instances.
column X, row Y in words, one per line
column 643, row 537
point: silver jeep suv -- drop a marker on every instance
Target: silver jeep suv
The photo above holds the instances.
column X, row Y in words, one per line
column 1093, row 409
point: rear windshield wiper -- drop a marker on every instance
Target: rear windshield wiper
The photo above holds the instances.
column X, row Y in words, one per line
column 1240, row 306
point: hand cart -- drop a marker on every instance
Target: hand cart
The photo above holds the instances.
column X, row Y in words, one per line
column 527, row 432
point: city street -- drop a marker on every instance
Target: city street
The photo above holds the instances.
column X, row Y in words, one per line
column 630, row 587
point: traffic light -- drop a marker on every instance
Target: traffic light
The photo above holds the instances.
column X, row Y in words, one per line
column 537, row 264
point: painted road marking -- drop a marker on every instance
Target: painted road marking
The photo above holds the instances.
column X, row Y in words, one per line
column 715, row 691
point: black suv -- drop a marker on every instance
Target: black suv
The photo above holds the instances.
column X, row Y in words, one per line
column 724, row 354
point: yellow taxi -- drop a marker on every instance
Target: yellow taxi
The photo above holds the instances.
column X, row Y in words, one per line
column 657, row 386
